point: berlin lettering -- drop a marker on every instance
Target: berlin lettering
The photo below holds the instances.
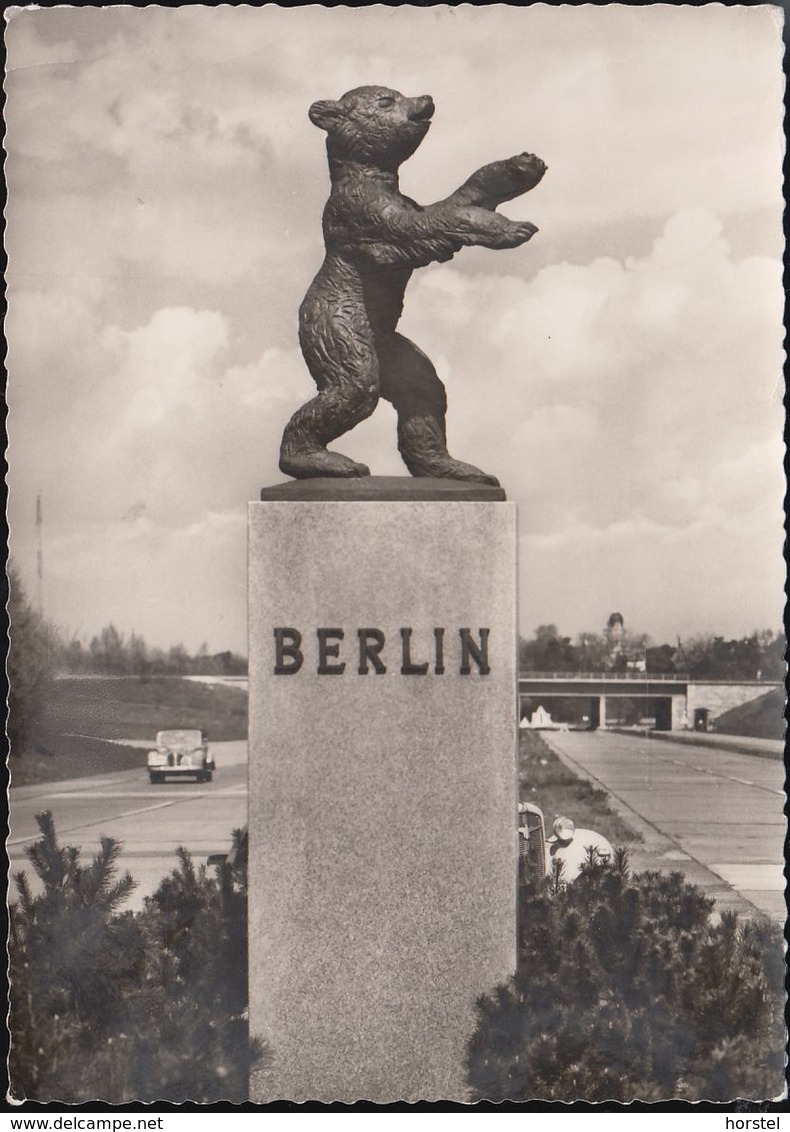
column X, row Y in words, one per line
column 369, row 652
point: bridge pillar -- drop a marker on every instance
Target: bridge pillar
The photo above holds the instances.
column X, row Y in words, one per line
column 594, row 713
column 680, row 719
column 662, row 706
column 597, row 712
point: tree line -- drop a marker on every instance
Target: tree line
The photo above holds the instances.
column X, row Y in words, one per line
column 759, row 656
column 39, row 651
column 111, row 653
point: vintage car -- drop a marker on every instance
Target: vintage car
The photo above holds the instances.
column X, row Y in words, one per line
column 181, row 753
column 568, row 846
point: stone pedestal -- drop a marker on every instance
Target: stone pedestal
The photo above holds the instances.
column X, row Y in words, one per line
column 382, row 788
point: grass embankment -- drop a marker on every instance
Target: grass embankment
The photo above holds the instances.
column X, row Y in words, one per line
column 71, row 738
column 762, row 718
column 546, row 781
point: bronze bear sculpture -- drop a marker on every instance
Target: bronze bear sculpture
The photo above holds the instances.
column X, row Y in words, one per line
column 375, row 237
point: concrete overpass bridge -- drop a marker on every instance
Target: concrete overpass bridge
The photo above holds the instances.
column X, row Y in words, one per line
column 674, row 698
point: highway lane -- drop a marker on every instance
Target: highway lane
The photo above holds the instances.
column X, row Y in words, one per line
column 713, row 814
column 149, row 821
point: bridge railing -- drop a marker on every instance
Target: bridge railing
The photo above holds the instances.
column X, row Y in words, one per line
column 637, row 677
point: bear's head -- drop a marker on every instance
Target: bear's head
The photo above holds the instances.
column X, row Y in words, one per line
column 373, row 125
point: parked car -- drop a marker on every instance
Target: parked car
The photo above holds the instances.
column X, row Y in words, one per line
column 181, row 753
column 567, row 845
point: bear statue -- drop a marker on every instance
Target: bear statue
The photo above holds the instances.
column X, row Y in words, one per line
column 375, row 237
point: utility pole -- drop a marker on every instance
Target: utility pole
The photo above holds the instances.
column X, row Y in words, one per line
column 40, row 556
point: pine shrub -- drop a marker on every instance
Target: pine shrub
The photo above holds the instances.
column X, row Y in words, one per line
column 629, row 987
column 117, row 1006
column 74, row 961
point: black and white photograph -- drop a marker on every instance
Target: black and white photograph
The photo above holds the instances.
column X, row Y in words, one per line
column 395, row 572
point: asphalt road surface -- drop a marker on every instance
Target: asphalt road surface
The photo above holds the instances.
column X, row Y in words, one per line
column 149, row 821
column 712, row 814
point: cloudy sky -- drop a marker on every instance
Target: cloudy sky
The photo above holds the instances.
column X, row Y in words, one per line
column 620, row 374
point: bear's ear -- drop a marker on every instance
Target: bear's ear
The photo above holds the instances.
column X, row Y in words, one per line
column 325, row 113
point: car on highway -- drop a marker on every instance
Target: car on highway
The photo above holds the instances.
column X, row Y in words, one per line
column 181, row 753
column 566, row 850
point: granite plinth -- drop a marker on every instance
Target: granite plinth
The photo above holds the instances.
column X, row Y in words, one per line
column 382, row 791
column 383, row 489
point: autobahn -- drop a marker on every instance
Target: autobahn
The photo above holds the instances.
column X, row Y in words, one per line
column 149, row 821
column 714, row 815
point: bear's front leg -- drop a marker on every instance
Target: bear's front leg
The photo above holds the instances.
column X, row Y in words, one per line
column 500, row 181
column 487, row 229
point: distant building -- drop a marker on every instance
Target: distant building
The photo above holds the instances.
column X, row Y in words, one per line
column 623, row 655
column 614, row 635
column 615, row 629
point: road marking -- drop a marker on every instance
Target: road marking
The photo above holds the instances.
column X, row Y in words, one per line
column 94, row 821
column 93, row 794
column 133, row 851
column 720, row 774
column 757, row 876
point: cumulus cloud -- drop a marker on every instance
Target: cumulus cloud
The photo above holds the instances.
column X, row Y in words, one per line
column 143, row 460
column 158, row 579
column 643, row 427
column 619, row 373
column 590, row 388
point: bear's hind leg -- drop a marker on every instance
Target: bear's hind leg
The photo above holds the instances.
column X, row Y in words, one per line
column 303, row 452
column 348, row 393
column 410, row 382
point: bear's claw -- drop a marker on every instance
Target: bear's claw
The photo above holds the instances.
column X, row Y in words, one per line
column 320, row 462
column 451, row 469
column 468, row 472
